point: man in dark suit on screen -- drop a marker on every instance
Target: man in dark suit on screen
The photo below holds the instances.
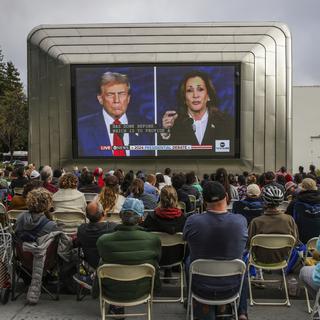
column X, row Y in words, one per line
column 95, row 135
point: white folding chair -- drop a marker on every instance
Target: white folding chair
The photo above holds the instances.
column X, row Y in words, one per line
column 316, row 307
column 271, row 242
column 215, row 268
column 126, row 273
column 89, row 196
column 18, row 191
column 69, row 221
column 171, row 241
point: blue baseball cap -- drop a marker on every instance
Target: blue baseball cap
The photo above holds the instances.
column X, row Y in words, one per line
column 133, row 205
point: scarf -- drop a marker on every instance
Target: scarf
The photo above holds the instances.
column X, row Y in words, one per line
column 168, row 213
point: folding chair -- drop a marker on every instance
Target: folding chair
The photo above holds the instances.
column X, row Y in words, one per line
column 215, row 268
column 182, row 206
column 13, row 216
column 193, row 201
column 271, row 242
column 174, row 244
column 69, row 221
column 311, row 247
column 89, row 196
column 316, row 307
column 3, row 216
column 127, row 273
column 18, row 191
column 23, row 265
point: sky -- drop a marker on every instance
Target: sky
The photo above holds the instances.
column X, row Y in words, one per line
column 19, row 17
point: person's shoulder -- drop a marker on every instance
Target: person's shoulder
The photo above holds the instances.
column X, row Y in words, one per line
column 90, row 117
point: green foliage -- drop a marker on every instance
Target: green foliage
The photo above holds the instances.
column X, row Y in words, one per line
column 13, row 109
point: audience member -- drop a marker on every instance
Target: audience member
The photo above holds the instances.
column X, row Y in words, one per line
column 46, row 176
column 21, row 180
column 149, row 187
column 110, row 198
column 87, row 183
column 57, row 173
column 167, row 176
column 242, row 188
column 98, row 174
column 68, row 198
column 217, row 234
column 127, row 181
column 178, row 181
column 222, row 177
column 130, row 244
column 272, row 221
column 137, row 191
column 160, row 181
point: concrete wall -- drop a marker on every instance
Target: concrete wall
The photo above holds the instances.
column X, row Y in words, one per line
column 306, row 124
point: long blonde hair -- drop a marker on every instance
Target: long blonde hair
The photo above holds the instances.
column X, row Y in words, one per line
column 109, row 193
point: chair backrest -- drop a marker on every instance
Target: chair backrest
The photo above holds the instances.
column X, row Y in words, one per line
column 193, row 201
column 249, row 210
column 120, row 272
column 282, row 244
column 18, row 191
column 69, row 221
column 146, row 212
column 312, row 244
column 307, row 218
column 13, row 214
column 182, row 206
column 3, row 215
column 283, row 206
column 89, row 196
column 173, row 248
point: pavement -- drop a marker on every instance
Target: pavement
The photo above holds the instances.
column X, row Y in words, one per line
column 67, row 308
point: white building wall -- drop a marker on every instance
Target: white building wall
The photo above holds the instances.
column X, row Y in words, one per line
column 306, row 124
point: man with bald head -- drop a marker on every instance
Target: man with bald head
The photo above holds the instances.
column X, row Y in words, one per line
column 88, row 233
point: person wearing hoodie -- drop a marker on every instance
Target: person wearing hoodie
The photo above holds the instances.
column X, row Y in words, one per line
column 309, row 194
column 36, row 222
column 68, row 198
column 167, row 217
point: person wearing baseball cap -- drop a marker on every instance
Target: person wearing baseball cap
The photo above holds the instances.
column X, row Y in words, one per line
column 252, row 206
column 217, row 234
column 130, row 244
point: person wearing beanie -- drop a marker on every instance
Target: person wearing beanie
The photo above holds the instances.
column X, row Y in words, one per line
column 252, row 205
column 273, row 221
column 290, row 187
column 217, row 234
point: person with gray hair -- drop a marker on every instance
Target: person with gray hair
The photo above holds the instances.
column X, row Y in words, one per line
column 46, row 176
column 95, row 131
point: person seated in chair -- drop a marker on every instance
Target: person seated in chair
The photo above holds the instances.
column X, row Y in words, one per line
column 130, row 244
column 252, row 206
column 273, row 221
column 217, row 234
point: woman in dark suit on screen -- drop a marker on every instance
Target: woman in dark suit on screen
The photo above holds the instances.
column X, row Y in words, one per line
column 198, row 120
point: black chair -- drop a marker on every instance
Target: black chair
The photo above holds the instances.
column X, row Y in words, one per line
column 248, row 209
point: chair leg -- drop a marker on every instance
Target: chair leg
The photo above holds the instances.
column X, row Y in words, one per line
column 191, row 308
column 188, row 304
column 181, row 283
column 149, row 309
column 316, row 307
column 286, row 288
column 250, row 288
column 235, row 310
column 308, row 300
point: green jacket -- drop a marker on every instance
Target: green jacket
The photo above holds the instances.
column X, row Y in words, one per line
column 129, row 245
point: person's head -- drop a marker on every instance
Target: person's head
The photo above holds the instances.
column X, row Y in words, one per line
column 301, row 168
column 269, row 177
column 197, row 93
column 251, row 179
column 151, row 178
column 57, row 173
column 109, row 192
column 214, row 194
column 86, row 178
column 68, row 181
column 31, row 185
column 190, row 178
column 95, row 212
column 46, row 174
column 308, row 184
column 168, row 197
column 298, row 178
column 290, row 187
column 167, row 171
column 114, row 93
column 241, row 180
column 140, row 174
column 132, row 211
column 272, row 196
column 98, row 172
column 281, row 179
column 34, row 175
column 119, row 174
column 312, row 168
column 253, row 191
column 39, row 200
column 283, row 169
column 137, row 187
column 19, row 172
column 160, row 178
column 178, row 180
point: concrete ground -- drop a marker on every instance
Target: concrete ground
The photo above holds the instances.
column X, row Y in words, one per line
column 88, row 309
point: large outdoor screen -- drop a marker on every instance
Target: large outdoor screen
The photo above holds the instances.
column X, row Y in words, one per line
column 156, row 110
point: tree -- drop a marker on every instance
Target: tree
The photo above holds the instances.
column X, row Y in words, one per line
column 13, row 109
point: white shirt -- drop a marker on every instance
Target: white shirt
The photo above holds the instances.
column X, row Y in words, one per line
column 109, row 121
column 200, row 126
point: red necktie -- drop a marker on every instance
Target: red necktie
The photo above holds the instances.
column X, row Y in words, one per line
column 117, row 142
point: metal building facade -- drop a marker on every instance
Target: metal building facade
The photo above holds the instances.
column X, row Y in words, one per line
column 263, row 49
